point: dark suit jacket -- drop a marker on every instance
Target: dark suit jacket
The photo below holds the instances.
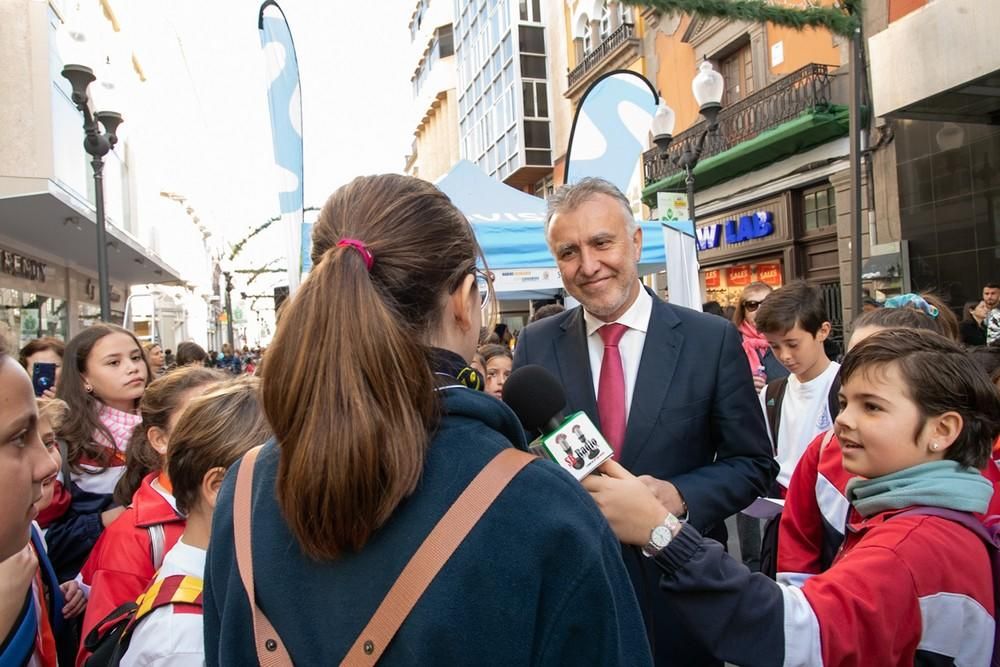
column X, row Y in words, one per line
column 694, row 421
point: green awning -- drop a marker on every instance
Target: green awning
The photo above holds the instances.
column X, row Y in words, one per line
column 798, row 135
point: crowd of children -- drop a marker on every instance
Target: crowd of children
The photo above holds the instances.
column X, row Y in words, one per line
column 106, row 517
column 109, row 482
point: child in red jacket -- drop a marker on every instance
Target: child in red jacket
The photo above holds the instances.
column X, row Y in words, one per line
column 131, row 549
column 911, row 585
column 200, row 453
column 816, row 507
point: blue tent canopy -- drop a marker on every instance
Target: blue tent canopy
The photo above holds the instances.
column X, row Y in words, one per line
column 510, row 224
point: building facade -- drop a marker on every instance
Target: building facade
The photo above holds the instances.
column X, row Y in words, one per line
column 434, row 103
column 48, row 238
column 504, row 89
column 937, row 129
column 768, row 185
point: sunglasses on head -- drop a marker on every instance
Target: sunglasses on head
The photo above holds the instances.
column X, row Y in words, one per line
column 750, row 305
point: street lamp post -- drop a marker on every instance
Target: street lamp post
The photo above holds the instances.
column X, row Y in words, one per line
column 229, row 308
column 707, row 87
column 97, row 144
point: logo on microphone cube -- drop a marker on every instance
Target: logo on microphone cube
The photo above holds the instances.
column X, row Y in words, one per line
column 577, row 446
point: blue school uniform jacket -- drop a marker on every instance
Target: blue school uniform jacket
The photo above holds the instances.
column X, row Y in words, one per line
column 538, row 581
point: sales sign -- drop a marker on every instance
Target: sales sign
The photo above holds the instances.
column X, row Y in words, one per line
column 713, row 278
column 769, row 274
column 738, row 276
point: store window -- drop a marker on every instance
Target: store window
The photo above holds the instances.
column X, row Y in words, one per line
column 25, row 316
column 819, row 208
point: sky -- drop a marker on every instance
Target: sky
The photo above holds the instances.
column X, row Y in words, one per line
column 207, row 84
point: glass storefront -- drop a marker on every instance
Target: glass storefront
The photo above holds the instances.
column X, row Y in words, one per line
column 25, row 316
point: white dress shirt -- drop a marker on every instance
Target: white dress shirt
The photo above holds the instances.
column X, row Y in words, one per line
column 636, row 318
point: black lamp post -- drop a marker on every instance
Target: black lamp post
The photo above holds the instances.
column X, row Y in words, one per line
column 707, row 87
column 97, row 144
column 229, row 308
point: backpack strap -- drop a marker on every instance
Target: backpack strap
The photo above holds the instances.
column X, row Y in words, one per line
column 991, row 539
column 833, row 398
column 175, row 589
column 428, row 560
column 157, row 544
column 774, row 394
column 271, row 651
column 433, row 553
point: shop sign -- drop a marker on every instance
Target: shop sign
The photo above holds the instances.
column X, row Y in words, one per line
column 769, row 274
column 20, row 266
column 746, row 228
column 90, row 291
column 713, row 278
column 738, row 276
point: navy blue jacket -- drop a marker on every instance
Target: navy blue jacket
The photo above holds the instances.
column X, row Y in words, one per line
column 72, row 536
column 695, row 421
column 539, row 580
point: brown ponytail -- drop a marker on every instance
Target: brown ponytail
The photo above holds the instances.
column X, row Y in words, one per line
column 348, row 389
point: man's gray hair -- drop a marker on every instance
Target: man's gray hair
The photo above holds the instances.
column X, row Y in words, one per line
column 571, row 196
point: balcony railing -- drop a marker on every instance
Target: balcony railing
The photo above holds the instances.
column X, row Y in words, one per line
column 785, row 99
column 621, row 35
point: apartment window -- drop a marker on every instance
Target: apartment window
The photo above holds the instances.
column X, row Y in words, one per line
column 737, row 72
column 536, row 104
column 820, row 208
column 531, row 11
column 536, row 134
column 544, row 187
column 605, row 22
column 531, row 40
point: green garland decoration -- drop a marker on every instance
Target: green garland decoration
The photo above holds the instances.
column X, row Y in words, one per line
column 843, row 20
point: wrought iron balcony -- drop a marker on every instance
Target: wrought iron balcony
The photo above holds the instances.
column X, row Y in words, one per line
column 622, row 35
column 785, row 99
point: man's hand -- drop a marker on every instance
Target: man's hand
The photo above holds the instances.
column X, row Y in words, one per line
column 667, row 494
column 76, row 601
column 630, row 506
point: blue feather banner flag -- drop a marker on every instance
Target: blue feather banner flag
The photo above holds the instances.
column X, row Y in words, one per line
column 285, row 103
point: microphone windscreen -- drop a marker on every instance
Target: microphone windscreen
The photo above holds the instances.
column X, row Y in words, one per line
column 535, row 396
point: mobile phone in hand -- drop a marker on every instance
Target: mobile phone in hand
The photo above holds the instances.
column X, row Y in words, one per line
column 43, row 376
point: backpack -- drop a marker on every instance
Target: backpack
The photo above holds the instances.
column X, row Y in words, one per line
column 989, row 533
column 774, row 394
column 109, row 640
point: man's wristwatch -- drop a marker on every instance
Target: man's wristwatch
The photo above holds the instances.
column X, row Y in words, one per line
column 660, row 537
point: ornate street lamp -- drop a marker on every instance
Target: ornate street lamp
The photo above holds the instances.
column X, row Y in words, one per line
column 707, row 87
column 97, row 144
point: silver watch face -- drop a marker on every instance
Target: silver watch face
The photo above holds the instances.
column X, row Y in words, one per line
column 660, row 537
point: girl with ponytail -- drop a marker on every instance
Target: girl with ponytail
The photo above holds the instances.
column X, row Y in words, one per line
column 374, row 441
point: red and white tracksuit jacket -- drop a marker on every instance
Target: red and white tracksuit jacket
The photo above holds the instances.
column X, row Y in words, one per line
column 173, row 634
column 816, row 509
column 905, row 590
column 121, row 565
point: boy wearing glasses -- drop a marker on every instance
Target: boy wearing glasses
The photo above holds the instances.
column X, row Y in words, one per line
column 799, row 407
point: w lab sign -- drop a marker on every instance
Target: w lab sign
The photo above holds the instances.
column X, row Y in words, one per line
column 745, row 228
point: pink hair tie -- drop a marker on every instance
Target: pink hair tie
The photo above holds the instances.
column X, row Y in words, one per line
column 360, row 246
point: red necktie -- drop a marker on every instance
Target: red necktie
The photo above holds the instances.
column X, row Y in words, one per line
column 611, row 388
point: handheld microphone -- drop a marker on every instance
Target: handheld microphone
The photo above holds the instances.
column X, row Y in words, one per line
column 538, row 400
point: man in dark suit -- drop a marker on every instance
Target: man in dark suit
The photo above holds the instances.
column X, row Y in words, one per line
column 669, row 387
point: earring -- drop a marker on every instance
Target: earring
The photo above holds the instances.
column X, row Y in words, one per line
column 934, row 446
column 88, row 388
